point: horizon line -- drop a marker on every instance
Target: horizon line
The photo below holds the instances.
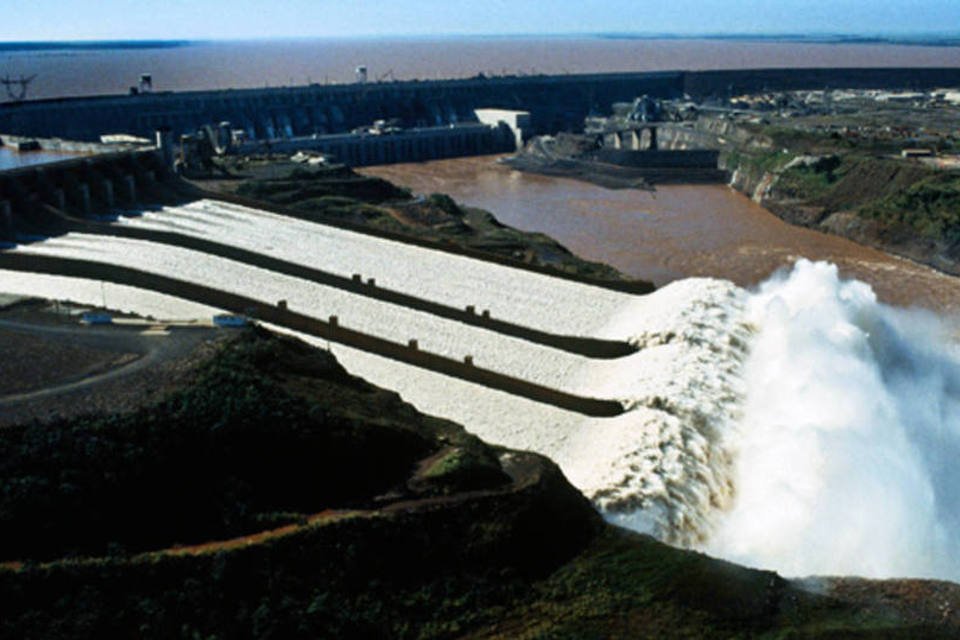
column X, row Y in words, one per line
column 827, row 37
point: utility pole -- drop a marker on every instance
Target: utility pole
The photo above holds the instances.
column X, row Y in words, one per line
column 17, row 87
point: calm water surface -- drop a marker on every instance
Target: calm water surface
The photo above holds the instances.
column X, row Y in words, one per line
column 296, row 62
column 672, row 233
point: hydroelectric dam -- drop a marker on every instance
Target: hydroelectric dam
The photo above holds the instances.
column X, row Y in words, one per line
column 627, row 389
column 555, row 103
column 40, row 203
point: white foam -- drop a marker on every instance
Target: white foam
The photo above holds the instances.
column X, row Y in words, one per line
column 848, row 447
column 526, row 298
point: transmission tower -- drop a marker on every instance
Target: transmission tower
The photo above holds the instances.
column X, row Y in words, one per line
column 17, row 87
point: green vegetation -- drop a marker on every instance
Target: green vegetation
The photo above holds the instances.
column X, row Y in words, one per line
column 756, row 163
column 802, row 141
column 811, row 181
column 929, row 207
column 903, row 206
column 299, row 184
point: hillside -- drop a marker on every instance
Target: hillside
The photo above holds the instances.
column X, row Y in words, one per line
column 271, row 494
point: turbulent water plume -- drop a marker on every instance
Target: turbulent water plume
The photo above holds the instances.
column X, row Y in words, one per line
column 846, row 453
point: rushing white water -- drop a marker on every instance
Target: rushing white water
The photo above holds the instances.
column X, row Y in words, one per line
column 524, row 297
column 803, row 427
column 847, row 450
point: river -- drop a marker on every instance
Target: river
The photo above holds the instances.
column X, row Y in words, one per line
column 671, row 233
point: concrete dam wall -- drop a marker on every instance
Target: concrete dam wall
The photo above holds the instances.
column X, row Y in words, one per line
column 81, row 186
column 406, row 145
column 556, row 103
column 704, row 84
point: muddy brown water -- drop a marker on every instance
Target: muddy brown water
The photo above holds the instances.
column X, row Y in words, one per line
column 285, row 62
column 674, row 232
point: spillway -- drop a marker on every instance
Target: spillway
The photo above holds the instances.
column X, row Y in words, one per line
column 528, row 299
column 802, row 427
column 651, row 441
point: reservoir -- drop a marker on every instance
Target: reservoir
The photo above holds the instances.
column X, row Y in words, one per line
column 671, row 233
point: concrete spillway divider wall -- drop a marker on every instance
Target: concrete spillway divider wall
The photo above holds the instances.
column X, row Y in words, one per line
column 334, row 332
column 83, row 198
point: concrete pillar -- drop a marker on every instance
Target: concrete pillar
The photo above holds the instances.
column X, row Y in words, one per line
column 635, row 140
column 130, row 189
column 83, row 195
column 6, row 219
column 108, row 193
column 164, row 137
column 617, row 140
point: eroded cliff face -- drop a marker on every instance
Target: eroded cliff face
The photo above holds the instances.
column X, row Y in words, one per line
column 893, row 205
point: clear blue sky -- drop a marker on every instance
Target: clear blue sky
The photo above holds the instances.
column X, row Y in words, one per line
column 222, row 19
